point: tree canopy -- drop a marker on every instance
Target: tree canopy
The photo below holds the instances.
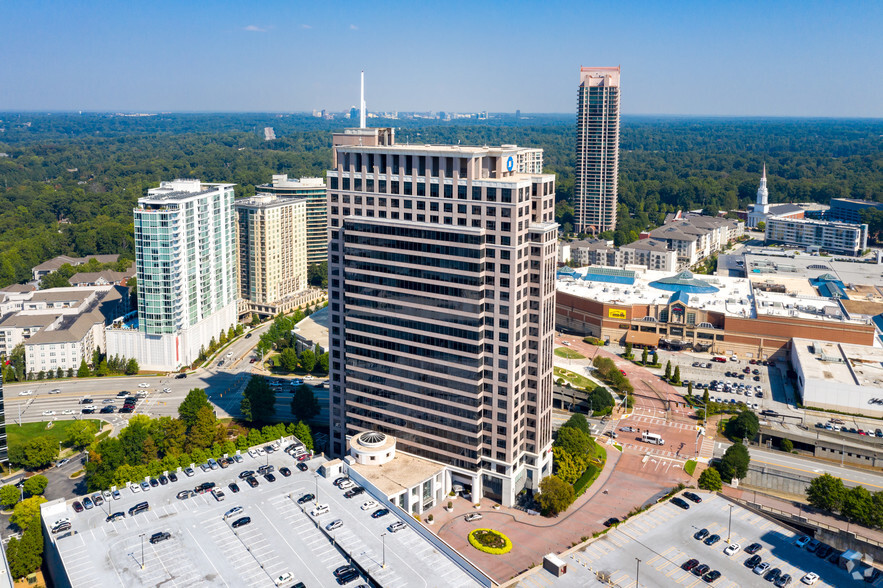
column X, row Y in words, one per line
column 734, row 463
column 555, row 495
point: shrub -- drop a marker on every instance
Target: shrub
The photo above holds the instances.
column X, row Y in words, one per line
column 490, row 541
column 586, row 479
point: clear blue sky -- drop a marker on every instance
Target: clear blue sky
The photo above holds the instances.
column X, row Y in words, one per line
column 802, row 58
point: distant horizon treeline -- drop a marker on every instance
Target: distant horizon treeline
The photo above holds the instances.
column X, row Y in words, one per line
column 69, row 182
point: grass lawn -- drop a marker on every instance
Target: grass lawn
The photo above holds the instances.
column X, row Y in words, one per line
column 568, row 353
column 574, row 378
column 690, row 467
column 19, row 435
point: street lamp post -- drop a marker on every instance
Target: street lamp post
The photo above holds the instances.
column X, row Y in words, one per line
column 729, row 524
column 383, row 538
column 637, row 573
column 142, row 550
column 316, row 478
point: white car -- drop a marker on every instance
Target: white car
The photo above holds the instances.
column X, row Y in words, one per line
column 286, row 577
column 260, row 451
column 346, row 485
column 320, row 510
column 107, row 495
column 167, row 390
column 26, row 393
column 48, row 413
column 61, row 462
column 69, row 411
column 732, row 548
column 233, row 511
column 810, row 579
column 473, row 516
column 135, row 488
column 230, row 354
column 253, row 452
column 308, row 377
column 144, row 385
column 369, row 505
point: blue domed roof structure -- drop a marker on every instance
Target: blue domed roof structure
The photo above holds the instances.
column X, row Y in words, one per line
column 684, row 282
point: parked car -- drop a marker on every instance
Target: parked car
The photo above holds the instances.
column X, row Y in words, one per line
column 283, row 579
column 233, row 511
column 678, row 501
column 701, row 569
column 711, row 576
column 473, row 516
column 611, row 521
column 368, row 505
column 305, row 498
column 252, row 481
column 234, row 487
column 810, row 578
column 700, row 534
column 802, row 541
column 396, row 527
column 690, row 564
column 732, row 548
column 761, row 568
column 161, row 536
column 753, row 548
column 712, row 539
column 302, row 467
column 752, row 561
column 87, row 503
column 241, row 522
column 379, row 513
column 692, row 496
column 335, row 524
column 784, row 580
column 320, row 510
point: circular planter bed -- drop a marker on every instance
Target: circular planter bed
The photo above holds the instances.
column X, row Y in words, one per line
column 490, row 541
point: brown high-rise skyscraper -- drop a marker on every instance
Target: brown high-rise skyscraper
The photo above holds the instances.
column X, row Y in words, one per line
column 441, row 278
column 597, row 149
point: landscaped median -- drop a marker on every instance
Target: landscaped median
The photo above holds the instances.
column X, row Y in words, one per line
column 490, row 541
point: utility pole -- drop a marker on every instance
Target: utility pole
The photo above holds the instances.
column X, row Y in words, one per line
column 383, row 538
column 142, row 550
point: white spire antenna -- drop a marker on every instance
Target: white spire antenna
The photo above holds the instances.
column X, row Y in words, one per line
column 362, row 103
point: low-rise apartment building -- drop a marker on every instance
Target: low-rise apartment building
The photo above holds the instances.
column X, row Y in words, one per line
column 830, row 236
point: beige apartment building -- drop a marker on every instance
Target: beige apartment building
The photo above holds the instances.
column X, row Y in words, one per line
column 313, row 190
column 272, row 235
column 442, row 304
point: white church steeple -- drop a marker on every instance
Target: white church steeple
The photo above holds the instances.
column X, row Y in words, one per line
column 762, row 194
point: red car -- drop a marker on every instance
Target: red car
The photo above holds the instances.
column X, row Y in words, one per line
column 622, row 372
column 719, row 359
column 303, row 457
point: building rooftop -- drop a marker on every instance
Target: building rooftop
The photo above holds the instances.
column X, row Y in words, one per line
column 403, row 472
column 28, row 320
column 204, row 550
column 262, row 200
column 860, row 365
column 314, row 328
column 180, row 190
column 56, row 262
column 733, row 295
column 788, row 263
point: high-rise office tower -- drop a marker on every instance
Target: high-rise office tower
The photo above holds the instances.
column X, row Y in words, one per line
column 442, row 306
column 185, row 261
column 272, row 252
column 597, row 149
column 313, row 189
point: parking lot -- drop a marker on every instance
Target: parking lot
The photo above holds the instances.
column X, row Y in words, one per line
column 656, row 543
column 205, row 549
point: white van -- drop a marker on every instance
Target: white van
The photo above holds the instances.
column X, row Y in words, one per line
column 652, row 438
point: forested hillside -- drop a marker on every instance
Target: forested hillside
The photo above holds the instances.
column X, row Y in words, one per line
column 69, row 181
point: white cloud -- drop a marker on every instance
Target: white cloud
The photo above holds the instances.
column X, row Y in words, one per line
column 305, row 26
column 354, row 28
column 255, row 29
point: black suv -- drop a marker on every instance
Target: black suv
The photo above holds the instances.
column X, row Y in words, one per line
column 241, row 522
column 252, row 481
column 245, row 474
column 752, row 561
column 162, row 536
column 694, row 497
column 353, row 492
column 204, row 487
column 266, row 469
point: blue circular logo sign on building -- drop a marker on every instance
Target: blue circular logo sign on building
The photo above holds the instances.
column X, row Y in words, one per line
column 510, row 163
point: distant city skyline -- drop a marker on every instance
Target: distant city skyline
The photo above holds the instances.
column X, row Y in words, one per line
column 689, row 58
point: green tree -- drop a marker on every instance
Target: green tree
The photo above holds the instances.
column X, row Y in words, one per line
column 690, row 389
column 54, row 280
column 102, row 370
column 744, row 426
column 555, row 496
column 288, row 359
column 189, row 408
column 826, row 492
column 30, row 548
column 668, row 370
column 262, row 399
column 302, row 432
column 761, row 226
column 628, row 350
column 676, row 378
column 710, row 480
column 169, row 434
column 132, row 367
column 204, row 430
column 24, row 512
column 308, row 360
column 573, row 441
column 734, row 463
column 654, row 358
column 81, row 433
column 245, row 409
column 578, row 421
column 83, row 371
column 858, row 505
column 304, row 405
column 35, row 485
column 644, row 356
column 323, row 360
column 600, row 400
column 568, row 467
column 39, row 452
column 9, row 495
column 706, row 398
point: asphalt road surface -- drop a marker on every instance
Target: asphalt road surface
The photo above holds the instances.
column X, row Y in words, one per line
column 808, row 467
column 223, row 385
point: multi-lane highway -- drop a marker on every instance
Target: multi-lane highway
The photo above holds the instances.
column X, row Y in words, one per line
column 223, row 385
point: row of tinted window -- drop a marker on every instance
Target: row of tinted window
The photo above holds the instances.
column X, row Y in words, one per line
column 371, row 353
column 382, row 301
column 425, row 287
column 409, row 245
column 464, row 316
column 416, row 233
column 386, row 319
column 426, row 346
column 381, row 399
column 427, row 384
column 465, row 279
